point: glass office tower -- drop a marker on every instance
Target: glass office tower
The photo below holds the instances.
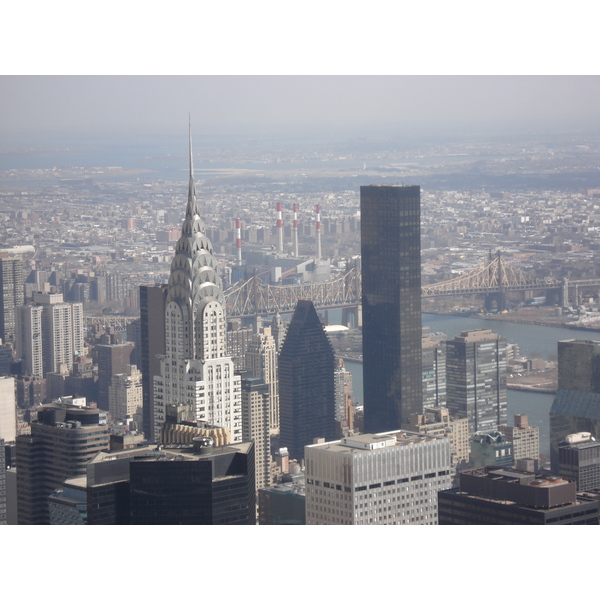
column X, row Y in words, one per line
column 391, row 305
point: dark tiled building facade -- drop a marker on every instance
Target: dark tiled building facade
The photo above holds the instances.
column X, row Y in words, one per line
column 391, row 305
column 306, row 382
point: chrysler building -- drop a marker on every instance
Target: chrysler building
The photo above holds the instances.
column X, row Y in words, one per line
column 197, row 381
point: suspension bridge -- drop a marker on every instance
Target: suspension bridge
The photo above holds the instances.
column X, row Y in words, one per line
column 494, row 278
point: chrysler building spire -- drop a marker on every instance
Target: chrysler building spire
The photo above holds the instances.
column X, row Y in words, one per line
column 197, row 376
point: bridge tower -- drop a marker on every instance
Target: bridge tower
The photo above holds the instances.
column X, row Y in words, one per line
column 352, row 316
column 564, row 294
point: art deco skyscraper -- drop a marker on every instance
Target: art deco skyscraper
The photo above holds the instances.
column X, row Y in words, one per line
column 306, row 382
column 197, row 377
column 391, row 305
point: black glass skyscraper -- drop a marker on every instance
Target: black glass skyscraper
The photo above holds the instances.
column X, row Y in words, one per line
column 306, row 382
column 391, row 305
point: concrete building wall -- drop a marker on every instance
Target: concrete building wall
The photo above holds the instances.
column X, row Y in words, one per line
column 376, row 479
column 8, row 409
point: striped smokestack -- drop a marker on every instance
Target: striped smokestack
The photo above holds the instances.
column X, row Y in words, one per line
column 296, row 230
column 279, row 228
column 318, row 232
column 238, row 241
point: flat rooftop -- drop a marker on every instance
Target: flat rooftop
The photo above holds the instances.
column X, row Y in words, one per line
column 368, row 442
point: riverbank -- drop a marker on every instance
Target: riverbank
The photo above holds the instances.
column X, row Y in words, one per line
column 531, row 315
column 540, row 381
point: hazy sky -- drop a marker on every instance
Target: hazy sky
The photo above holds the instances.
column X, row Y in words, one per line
column 122, row 105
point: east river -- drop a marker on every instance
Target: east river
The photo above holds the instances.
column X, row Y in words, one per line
column 533, row 340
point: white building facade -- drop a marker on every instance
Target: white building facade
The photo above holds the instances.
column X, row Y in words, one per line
column 390, row 478
column 197, row 377
column 125, row 395
column 261, row 361
column 49, row 334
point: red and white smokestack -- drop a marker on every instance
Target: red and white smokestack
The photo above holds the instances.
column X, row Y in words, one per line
column 295, row 229
column 318, row 232
column 280, row 228
column 238, row 240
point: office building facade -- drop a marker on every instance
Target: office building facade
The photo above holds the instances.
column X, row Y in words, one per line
column 197, row 486
column 493, row 496
column 434, row 370
column 476, row 379
column 113, row 359
column 390, row 478
column 125, row 396
column 306, row 382
column 282, row 504
column 491, row 449
column 344, row 399
column 3, row 499
column 391, row 305
column 49, row 334
column 63, row 440
column 152, row 337
column 438, row 422
column 11, row 295
column 8, row 409
column 576, row 406
column 525, row 438
column 579, row 461
column 255, row 425
column 261, row 361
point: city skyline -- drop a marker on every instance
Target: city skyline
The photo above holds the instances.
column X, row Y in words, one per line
column 64, row 42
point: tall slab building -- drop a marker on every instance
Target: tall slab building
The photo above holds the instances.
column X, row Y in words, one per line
column 152, row 334
column 391, row 305
column 576, row 406
column 261, row 361
column 11, row 294
column 196, row 380
column 476, row 379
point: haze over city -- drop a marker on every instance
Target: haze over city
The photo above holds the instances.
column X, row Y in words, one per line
column 37, row 109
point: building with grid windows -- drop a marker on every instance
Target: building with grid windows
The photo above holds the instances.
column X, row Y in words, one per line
column 63, row 440
column 438, row 422
column 261, row 361
column 255, row 425
column 579, row 461
column 496, row 496
column 11, row 295
column 3, row 518
column 49, row 334
column 152, row 345
column 434, row 369
column 476, row 379
column 194, row 485
column 390, row 478
column 525, row 438
column 576, row 406
column 391, row 305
